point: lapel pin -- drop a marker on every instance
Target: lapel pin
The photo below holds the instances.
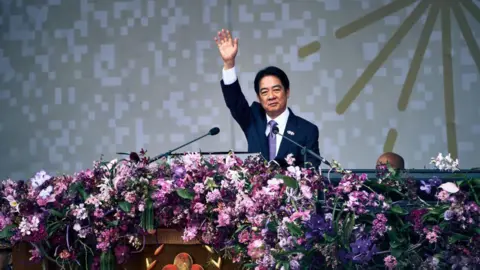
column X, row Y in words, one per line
column 291, row 133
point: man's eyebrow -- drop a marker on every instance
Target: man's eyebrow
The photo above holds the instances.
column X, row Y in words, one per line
column 275, row 86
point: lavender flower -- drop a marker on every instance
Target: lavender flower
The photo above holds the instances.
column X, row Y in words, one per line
column 427, row 188
column 362, row 250
column 317, row 226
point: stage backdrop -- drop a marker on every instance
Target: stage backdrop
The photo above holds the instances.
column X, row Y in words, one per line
column 81, row 79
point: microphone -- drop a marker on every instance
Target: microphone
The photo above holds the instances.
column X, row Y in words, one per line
column 212, row 132
column 305, row 150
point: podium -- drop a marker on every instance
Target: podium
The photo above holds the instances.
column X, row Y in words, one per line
column 173, row 247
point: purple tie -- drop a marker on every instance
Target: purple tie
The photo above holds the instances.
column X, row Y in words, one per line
column 272, row 140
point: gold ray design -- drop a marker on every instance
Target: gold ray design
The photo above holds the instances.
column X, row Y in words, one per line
column 390, row 141
column 372, row 17
column 418, row 58
column 467, row 33
column 448, row 81
column 376, row 63
column 472, row 8
column 308, row 49
column 438, row 8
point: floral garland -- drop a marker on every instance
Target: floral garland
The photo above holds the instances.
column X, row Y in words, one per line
column 254, row 213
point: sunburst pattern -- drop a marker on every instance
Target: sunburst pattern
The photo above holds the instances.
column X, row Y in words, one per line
column 435, row 9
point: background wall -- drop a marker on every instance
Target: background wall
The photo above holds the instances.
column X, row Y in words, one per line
column 83, row 78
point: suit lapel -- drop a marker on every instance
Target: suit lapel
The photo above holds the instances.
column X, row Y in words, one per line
column 261, row 127
column 285, row 145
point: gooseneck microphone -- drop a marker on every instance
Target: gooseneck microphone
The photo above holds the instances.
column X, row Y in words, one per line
column 212, row 132
column 305, row 150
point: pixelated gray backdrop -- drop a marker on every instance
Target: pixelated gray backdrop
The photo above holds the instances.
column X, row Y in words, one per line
column 79, row 79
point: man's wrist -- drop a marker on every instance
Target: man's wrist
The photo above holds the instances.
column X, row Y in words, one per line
column 228, row 65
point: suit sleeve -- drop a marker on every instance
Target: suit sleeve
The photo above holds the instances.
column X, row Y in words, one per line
column 237, row 104
column 313, row 145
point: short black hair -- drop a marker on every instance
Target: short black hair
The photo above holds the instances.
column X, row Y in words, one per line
column 271, row 71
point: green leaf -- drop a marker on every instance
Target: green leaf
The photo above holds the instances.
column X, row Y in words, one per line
column 272, row 226
column 185, row 193
column 398, row 210
column 397, row 252
column 55, row 213
column 348, row 228
column 125, row 206
column 294, row 229
column 457, row 237
column 53, row 229
column 107, row 261
column 288, row 181
column 286, row 266
column 241, row 228
column 249, row 265
column 476, row 181
column 113, row 223
column 477, row 230
column 7, row 232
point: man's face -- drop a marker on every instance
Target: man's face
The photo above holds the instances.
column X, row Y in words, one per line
column 273, row 96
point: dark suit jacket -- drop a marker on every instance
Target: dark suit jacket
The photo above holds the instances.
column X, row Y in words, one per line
column 253, row 121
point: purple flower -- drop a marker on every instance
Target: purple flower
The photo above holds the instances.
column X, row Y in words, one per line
column 179, row 173
column 362, row 250
column 426, row 187
column 435, row 181
column 122, row 253
column 448, row 215
column 317, row 226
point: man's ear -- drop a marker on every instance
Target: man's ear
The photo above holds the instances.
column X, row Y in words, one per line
column 287, row 92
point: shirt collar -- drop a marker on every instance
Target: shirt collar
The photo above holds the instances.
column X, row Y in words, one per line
column 281, row 119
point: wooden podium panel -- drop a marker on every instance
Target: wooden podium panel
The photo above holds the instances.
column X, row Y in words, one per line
column 173, row 245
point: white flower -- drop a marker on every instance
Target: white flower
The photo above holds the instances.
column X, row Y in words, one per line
column 112, row 163
column 13, row 203
column 295, row 171
column 77, row 227
column 27, row 226
column 449, row 187
column 445, row 163
column 39, row 178
column 45, row 193
column 306, row 191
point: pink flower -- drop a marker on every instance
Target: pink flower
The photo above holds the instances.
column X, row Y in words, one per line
column 98, row 213
column 65, row 254
column 390, row 262
column 130, row 197
column 290, row 159
column 199, row 188
column 432, row 236
column 379, row 227
column 244, row 237
column 199, row 208
column 214, row 196
column 274, row 184
column 256, row 249
column 304, row 216
column 306, row 191
column 36, row 255
column 190, row 233
column 223, row 218
column 443, row 195
column 4, row 221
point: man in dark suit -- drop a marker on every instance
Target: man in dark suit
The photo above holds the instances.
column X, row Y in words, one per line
column 259, row 119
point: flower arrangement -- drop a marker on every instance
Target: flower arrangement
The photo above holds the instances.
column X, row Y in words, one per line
column 252, row 212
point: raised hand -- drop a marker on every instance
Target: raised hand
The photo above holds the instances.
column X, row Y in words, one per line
column 227, row 47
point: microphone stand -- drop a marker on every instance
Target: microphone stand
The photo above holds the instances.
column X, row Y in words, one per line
column 304, row 150
column 173, row 150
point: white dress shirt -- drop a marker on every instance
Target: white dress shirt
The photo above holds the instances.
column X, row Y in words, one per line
column 229, row 77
